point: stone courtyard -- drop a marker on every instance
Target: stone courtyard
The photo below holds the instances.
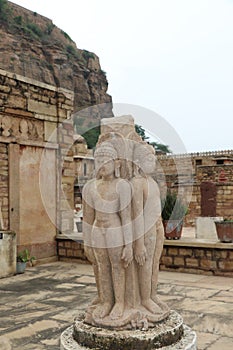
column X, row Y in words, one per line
column 38, row 305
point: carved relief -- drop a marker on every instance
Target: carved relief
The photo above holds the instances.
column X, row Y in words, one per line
column 6, row 126
column 21, row 128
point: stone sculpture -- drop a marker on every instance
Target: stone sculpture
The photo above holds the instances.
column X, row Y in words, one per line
column 123, row 239
column 123, row 236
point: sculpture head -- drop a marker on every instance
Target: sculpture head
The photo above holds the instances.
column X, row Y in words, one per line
column 144, row 159
column 106, row 162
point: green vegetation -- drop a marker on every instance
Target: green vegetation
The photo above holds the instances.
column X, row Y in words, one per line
column 91, row 136
column 87, row 54
column 172, row 207
column 18, row 20
column 159, row 147
column 66, row 35
column 139, row 129
column 4, row 10
column 34, row 29
column 24, row 256
column 49, row 28
column 72, row 51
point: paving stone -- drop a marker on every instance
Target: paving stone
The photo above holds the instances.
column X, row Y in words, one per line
column 33, row 328
column 37, row 306
column 86, row 280
column 215, row 324
column 204, row 340
column 6, row 344
column 225, row 296
column 191, row 292
column 69, row 286
column 223, row 343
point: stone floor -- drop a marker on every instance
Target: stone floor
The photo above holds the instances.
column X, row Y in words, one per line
column 37, row 306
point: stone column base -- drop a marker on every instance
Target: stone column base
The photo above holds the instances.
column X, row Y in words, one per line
column 170, row 334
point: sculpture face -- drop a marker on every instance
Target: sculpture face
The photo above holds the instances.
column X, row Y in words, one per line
column 104, row 166
column 145, row 159
column 147, row 163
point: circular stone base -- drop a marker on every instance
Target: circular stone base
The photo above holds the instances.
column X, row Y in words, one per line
column 170, row 334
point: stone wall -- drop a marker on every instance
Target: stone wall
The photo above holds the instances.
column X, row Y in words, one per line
column 193, row 257
column 202, row 167
column 37, row 170
column 4, row 186
column 71, row 250
column 209, row 259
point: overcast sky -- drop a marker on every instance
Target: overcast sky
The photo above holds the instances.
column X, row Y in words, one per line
column 173, row 57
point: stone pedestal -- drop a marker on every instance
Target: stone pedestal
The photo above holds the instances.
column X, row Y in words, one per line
column 7, row 253
column 169, row 334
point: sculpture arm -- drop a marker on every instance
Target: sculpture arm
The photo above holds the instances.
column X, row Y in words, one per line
column 139, row 227
column 88, row 214
column 126, row 222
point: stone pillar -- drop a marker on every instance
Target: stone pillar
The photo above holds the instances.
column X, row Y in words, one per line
column 7, row 253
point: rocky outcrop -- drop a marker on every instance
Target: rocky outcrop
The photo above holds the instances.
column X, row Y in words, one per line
column 32, row 46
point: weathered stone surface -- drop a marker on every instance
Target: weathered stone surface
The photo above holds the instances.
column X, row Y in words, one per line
column 48, row 55
column 7, row 253
column 168, row 335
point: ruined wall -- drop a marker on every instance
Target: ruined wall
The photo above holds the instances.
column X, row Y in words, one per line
column 37, row 171
column 204, row 169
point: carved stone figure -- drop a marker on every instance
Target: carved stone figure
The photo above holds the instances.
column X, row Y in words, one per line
column 148, row 227
column 108, row 232
column 123, row 238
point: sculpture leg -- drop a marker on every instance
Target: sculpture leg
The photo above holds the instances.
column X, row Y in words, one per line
column 157, row 256
column 89, row 252
column 118, row 277
column 145, row 273
column 105, row 283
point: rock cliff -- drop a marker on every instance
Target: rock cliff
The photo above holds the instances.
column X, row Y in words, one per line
column 32, row 46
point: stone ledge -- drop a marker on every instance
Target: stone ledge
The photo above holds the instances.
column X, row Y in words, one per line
column 197, row 243
column 66, row 92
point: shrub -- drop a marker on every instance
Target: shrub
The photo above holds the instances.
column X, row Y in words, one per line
column 18, row 20
column 34, row 29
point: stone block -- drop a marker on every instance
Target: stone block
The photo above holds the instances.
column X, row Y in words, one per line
column 191, row 262
column 5, row 89
column 42, row 108
column 226, row 265
column 205, row 228
column 68, row 244
column 7, row 253
column 69, row 253
column 179, row 261
column 167, row 260
column 19, row 112
column 124, row 125
column 16, row 102
column 199, row 253
column 62, row 252
column 172, row 251
column 50, row 131
column 208, row 264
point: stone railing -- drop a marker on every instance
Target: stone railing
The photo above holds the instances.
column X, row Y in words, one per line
column 197, row 154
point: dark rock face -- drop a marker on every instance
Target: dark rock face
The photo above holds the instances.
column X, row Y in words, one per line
column 32, row 46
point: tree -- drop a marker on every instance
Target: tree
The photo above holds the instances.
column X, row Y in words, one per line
column 91, row 136
column 139, row 129
column 159, row 147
